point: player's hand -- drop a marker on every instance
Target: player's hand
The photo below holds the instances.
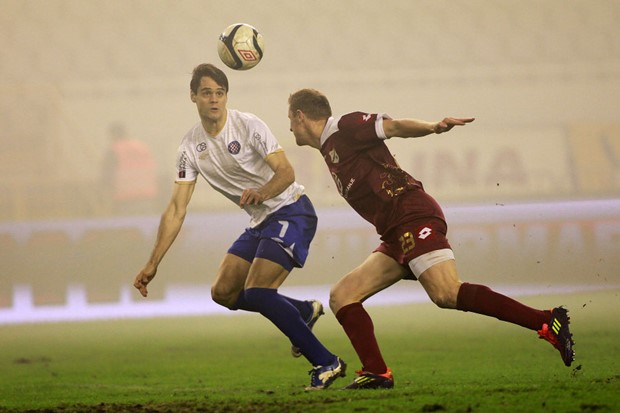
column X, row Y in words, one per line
column 251, row 197
column 448, row 123
column 142, row 279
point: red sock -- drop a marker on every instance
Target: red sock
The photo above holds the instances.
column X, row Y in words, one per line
column 359, row 328
column 482, row 300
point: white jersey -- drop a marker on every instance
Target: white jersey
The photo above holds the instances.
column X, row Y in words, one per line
column 234, row 160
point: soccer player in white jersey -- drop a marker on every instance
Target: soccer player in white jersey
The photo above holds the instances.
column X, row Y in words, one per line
column 237, row 154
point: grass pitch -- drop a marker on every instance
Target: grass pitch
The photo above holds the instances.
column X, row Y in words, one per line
column 443, row 361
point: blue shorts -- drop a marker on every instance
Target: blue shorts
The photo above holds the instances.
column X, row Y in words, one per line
column 283, row 237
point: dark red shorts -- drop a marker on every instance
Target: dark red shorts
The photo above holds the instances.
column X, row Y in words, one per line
column 421, row 229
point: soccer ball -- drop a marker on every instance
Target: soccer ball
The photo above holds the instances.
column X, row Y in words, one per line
column 240, row 46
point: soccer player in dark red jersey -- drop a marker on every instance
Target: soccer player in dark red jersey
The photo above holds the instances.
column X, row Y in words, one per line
column 412, row 229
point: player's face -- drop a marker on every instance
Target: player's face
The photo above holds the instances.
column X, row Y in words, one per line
column 296, row 127
column 210, row 100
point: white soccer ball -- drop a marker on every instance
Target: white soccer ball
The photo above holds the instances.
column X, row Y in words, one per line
column 240, row 46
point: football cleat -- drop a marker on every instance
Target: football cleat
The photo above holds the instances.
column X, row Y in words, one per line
column 317, row 311
column 558, row 334
column 323, row 376
column 368, row 380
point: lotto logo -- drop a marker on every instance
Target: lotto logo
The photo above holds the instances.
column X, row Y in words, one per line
column 247, row 55
column 424, row 233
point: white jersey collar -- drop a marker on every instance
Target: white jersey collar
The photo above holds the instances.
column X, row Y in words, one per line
column 331, row 127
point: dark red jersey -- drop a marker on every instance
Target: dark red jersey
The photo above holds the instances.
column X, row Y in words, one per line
column 367, row 175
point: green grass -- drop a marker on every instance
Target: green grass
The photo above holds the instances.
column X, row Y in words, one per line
column 443, row 361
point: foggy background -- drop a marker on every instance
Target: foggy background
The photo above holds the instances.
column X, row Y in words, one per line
column 530, row 189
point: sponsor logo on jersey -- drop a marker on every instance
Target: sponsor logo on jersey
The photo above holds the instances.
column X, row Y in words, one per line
column 234, row 147
column 183, row 164
column 260, row 141
column 366, row 117
column 348, row 188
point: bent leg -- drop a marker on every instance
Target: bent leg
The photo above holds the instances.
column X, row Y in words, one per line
column 375, row 274
column 262, row 293
column 444, row 288
column 230, row 281
column 482, row 300
column 442, row 284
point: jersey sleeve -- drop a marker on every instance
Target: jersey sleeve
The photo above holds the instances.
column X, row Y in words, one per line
column 365, row 128
column 186, row 170
column 262, row 139
column 379, row 125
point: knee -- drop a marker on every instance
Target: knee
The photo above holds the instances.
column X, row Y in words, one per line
column 338, row 298
column 444, row 297
column 443, row 300
column 224, row 296
column 332, row 300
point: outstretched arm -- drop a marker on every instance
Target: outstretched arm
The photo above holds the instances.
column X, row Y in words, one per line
column 169, row 227
column 412, row 128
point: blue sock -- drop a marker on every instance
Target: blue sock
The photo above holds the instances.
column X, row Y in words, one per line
column 287, row 318
column 304, row 307
column 242, row 303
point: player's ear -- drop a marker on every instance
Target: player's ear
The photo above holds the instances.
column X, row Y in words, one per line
column 192, row 96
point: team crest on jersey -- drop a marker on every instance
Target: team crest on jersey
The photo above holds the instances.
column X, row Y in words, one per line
column 333, row 155
column 202, row 146
column 234, row 147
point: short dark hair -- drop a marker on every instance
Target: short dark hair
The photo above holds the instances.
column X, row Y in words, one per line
column 311, row 102
column 207, row 70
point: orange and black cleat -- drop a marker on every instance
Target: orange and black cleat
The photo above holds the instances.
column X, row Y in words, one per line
column 367, row 380
column 558, row 334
